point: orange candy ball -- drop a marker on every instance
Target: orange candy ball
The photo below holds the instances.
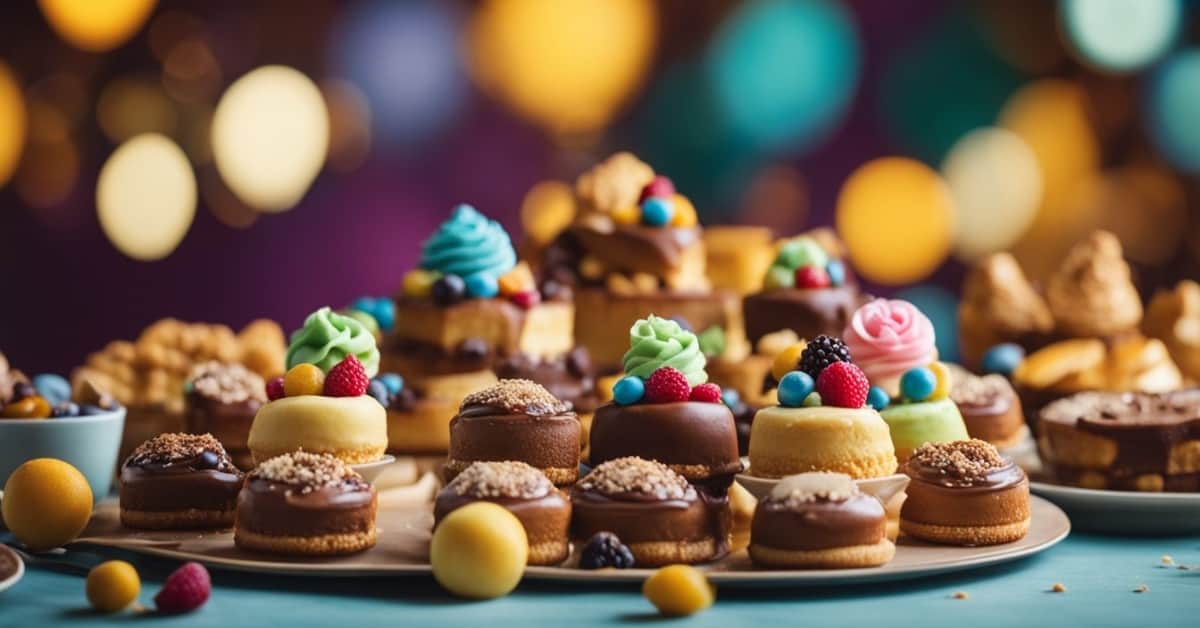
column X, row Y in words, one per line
column 47, row 503
column 304, row 379
column 32, row 407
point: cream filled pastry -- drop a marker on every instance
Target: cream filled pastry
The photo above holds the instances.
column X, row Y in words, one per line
column 888, row 337
column 1092, row 293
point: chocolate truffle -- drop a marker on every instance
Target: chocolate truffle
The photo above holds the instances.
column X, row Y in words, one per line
column 175, row 481
column 524, row 491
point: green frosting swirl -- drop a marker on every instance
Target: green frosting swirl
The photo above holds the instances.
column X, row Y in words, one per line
column 469, row 243
column 328, row 337
column 657, row 342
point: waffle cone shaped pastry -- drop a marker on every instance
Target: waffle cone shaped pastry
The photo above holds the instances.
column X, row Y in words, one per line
column 1173, row 316
column 1092, row 294
column 999, row 305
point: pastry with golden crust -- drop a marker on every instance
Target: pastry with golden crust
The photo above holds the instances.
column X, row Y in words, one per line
column 854, row 441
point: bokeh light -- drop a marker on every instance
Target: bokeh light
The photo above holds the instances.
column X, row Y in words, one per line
column 96, row 25
column 1120, row 35
column 146, row 197
column 997, row 187
column 405, row 57
column 941, row 306
column 223, row 204
column 896, row 217
column 190, row 71
column 50, row 161
column 349, row 125
column 1173, row 105
column 784, row 71
column 270, row 134
column 567, row 65
column 131, row 106
column 12, row 123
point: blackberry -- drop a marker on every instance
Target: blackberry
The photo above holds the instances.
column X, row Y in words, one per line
column 820, row 353
column 604, row 549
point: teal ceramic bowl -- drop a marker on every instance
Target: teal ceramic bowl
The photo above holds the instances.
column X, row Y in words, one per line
column 89, row 443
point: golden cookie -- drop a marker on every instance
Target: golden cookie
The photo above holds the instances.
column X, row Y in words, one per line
column 1048, row 366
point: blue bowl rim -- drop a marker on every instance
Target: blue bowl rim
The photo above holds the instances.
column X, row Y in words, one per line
column 91, row 418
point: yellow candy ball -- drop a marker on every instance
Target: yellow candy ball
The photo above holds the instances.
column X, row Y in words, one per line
column 112, row 586
column 479, row 551
column 304, row 379
column 47, row 503
column 678, row 590
column 942, row 373
column 630, row 215
column 685, row 212
column 787, row 360
column 604, row 386
column 32, row 407
column 417, row 284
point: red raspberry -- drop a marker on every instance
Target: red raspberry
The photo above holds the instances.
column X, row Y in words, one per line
column 275, row 389
column 659, row 186
column 347, row 378
column 186, row 589
column 844, row 385
column 707, row 393
column 811, row 277
column 667, row 385
column 526, row 300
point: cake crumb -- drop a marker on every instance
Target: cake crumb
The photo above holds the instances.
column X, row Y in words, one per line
column 1058, row 588
column 1167, row 560
column 960, row 595
column 307, row 471
column 1141, row 588
column 509, row 479
column 517, row 395
column 637, row 475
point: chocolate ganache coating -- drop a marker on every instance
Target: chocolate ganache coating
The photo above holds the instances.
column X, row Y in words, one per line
column 808, row 312
column 527, row 493
column 305, row 494
column 516, row 420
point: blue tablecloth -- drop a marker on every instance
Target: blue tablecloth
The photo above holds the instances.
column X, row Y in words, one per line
column 1100, row 574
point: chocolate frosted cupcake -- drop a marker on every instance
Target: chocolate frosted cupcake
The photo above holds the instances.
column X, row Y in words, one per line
column 222, row 400
column 1124, row 441
column 179, row 481
column 525, row 492
column 516, row 420
column 819, row 520
column 964, row 493
column 305, row 504
column 653, row 510
column 989, row 407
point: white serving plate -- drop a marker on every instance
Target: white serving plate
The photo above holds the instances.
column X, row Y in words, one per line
column 1125, row 512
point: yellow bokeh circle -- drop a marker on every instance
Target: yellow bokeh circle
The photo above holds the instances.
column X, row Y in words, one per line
column 547, row 209
column 146, row 197
column 96, row 25
column 567, row 65
column 997, row 188
column 12, row 123
column 897, row 219
column 270, row 137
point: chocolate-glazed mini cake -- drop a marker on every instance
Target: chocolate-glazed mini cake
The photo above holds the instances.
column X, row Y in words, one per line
column 179, row 481
column 1124, row 441
column 989, row 407
column 524, row 491
column 570, row 378
column 306, row 504
column 809, row 312
column 660, row 516
column 516, row 420
column 964, row 493
column 819, row 520
column 222, row 400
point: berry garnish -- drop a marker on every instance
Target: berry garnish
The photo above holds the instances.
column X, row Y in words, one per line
column 604, row 549
column 379, row 391
column 526, row 300
column 667, row 385
column 706, row 393
column 186, row 589
column 659, row 186
column 844, row 385
column 347, row 378
column 275, row 389
column 820, row 353
column 794, row 388
column 208, row 460
column 811, row 277
column 448, row 290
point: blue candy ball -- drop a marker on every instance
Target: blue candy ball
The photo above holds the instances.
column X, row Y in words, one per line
column 364, row 304
column 917, row 384
column 54, row 388
column 629, row 390
column 1002, row 359
column 379, row 391
column 793, row 389
column 836, row 271
column 482, row 286
column 385, row 313
column 393, row 382
column 657, row 212
column 878, row 398
column 730, row 397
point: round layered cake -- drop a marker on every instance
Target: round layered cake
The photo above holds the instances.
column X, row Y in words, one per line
column 179, row 481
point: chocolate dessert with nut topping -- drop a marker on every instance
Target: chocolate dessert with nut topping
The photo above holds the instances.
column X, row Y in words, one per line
column 179, row 481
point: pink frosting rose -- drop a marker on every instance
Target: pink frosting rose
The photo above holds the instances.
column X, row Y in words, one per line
column 888, row 337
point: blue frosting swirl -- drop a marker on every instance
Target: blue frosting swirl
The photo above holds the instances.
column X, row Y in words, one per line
column 467, row 244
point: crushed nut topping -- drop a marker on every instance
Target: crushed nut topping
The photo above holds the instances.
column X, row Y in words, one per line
column 810, row 487
column 176, row 447
column 501, row 479
column 965, row 459
column 227, row 383
column 307, row 472
column 637, row 475
column 969, row 389
column 518, row 396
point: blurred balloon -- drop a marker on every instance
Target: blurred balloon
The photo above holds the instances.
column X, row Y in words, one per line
column 270, row 134
column 784, row 71
column 405, row 57
column 568, row 65
column 131, row 106
column 146, row 197
column 896, row 217
column 997, row 187
column 546, row 210
column 1173, row 109
column 12, row 123
column 349, row 125
column 96, row 25
column 1120, row 35
column 942, row 309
